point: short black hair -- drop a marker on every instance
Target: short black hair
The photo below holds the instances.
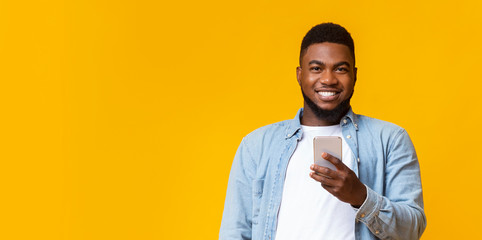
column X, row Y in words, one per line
column 327, row 32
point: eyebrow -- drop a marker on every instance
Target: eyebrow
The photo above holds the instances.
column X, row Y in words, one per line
column 336, row 65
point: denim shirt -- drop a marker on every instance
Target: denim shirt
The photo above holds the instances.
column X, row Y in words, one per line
column 384, row 160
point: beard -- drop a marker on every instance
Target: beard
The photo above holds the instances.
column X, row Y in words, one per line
column 332, row 116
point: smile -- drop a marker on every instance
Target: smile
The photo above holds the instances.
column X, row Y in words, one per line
column 327, row 94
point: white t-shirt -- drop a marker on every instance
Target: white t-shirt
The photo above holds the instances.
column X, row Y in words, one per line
column 307, row 210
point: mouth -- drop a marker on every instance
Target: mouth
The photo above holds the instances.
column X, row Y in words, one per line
column 328, row 95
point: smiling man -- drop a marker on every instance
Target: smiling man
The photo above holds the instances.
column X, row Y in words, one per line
column 276, row 192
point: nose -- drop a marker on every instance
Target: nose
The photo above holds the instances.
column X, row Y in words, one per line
column 328, row 78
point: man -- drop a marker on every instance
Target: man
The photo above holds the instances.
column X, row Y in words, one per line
column 274, row 188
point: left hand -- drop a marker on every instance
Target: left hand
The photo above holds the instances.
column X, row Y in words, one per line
column 342, row 183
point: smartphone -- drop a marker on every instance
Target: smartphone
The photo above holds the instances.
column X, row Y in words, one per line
column 330, row 145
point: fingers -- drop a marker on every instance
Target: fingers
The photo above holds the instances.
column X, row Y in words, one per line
column 323, row 171
column 335, row 161
column 323, row 179
column 341, row 183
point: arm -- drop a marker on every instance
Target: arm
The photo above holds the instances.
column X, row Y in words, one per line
column 237, row 215
column 398, row 214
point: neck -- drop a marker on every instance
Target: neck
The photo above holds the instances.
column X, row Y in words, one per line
column 310, row 118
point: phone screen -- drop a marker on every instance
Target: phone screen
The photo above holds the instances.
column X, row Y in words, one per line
column 330, row 145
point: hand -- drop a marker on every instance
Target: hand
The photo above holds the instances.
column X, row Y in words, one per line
column 342, row 183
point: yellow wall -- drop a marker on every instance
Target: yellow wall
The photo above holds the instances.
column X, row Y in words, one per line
column 120, row 119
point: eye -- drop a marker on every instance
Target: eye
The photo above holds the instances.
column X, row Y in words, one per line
column 316, row 69
column 341, row 69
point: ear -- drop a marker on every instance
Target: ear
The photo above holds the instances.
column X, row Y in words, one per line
column 298, row 75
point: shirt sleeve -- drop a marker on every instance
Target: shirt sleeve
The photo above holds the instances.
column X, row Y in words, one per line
column 398, row 213
column 237, row 214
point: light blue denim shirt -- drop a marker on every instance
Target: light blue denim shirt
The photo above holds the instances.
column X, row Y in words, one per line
column 384, row 160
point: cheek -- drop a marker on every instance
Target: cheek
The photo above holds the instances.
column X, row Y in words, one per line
column 310, row 80
column 349, row 83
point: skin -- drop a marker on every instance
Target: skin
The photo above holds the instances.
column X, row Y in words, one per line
column 330, row 67
column 342, row 183
column 325, row 67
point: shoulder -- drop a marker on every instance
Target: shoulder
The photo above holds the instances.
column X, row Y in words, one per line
column 373, row 124
column 268, row 132
column 381, row 129
column 265, row 141
column 392, row 139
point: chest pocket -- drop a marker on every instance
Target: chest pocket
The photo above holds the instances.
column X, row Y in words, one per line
column 257, row 195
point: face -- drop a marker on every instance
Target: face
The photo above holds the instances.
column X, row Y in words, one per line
column 327, row 78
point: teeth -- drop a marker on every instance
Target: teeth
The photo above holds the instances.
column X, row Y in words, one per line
column 327, row 94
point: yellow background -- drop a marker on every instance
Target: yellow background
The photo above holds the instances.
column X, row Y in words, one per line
column 120, row 119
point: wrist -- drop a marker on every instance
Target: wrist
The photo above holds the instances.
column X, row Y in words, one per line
column 362, row 196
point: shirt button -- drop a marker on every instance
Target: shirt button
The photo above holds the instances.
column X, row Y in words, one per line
column 344, row 121
column 363, row 215
column 356, row 125
column 377, row 232
column 348, row 136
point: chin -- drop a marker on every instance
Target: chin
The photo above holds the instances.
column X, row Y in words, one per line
column 331, row 114
column 331, row 108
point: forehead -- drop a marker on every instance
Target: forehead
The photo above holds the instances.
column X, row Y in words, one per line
column 328, row 53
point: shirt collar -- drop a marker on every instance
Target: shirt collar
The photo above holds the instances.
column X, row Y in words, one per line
column 350, row 117
column 295, row 125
